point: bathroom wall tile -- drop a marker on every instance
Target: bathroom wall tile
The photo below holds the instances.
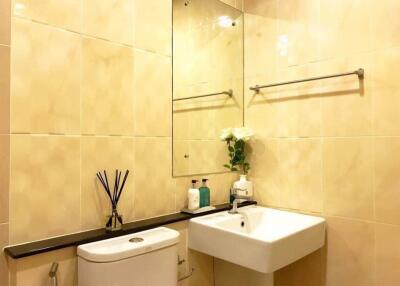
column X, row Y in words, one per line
column 262, row 108
column 3, row 262
column 298, row 32
column 5, row 22
column 346, row 101
column 301, row 185
column 387, row 258
column 107, row 88
column 229, row 274
column 38, row 59
column 387, row 197
column 182, row 227
column 385, row 32
column 153, row 25
column 386, row 89
column 344, row 28
column 309, row 270
column 63, row 14
column 109, row 19
column 105, row 153
column 204, row 274
column 266, row 171
column 260, row 42
column 350, row 259
column 347, row 177
column 4, row 90
column 153, row 94
column 4, row 177
column 44, row 187
column 34, row 270
column 299, row 105
column 154, row 185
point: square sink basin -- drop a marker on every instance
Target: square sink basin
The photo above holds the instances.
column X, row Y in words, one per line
column 259, row 238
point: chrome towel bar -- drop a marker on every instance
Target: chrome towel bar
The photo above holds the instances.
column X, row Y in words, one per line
column 228, row 92
column 360, row 73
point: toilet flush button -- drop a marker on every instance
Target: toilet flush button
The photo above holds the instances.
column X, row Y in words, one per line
column 136, row 239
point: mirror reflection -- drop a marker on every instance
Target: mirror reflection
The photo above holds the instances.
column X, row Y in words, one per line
column 207, row 83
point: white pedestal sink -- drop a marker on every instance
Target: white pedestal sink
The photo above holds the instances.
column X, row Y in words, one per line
column 258, row 238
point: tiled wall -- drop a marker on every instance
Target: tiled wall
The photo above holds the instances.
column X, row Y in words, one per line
column 329, row 147
column 91, row 88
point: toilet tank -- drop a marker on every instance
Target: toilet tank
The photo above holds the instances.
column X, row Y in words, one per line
column 147, row 258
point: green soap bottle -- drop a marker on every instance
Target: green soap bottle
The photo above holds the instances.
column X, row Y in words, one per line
column 204, row 194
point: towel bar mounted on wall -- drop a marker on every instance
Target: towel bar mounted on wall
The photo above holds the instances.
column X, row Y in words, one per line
column 228, row 92
column 360, row 73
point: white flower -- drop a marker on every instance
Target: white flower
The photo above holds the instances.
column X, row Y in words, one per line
column 226, row 134
column 242, row 133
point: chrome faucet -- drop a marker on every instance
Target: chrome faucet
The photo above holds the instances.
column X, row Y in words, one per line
column 234, row 208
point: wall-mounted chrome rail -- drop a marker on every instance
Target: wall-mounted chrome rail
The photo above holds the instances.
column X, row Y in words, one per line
column 360, row 73
column 229, row 92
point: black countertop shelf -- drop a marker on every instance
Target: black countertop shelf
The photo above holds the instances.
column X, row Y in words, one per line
column 75, row 239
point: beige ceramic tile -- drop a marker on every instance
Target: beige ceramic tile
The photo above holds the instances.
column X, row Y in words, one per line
column 34, row 270
column 204, row 274
column 153, row 25
column 265, row 171
column 181, row 157
column 386, row 89
column 226, row 274
column 154, row 185
column 105, row 153
column 387, row 197
column 63, row 14
column 3, row 262
column 387, row 255
column 4, row 90
column 350, row 258
column 109, row 19
column 260, row 41
column 298, row 32
column 5, row 22
column 344, row 28
column 182, row 227
column 383, row 26
column 45, row 92
column 301, row 186
column 4, row 176
column 299, row 105
column 153, row 94
column 44, row 187
column 207, row 156
column 347, row 177
column 107, row 88
column 346, row 101
column 309, row 270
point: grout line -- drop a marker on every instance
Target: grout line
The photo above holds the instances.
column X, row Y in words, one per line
column 89, row 36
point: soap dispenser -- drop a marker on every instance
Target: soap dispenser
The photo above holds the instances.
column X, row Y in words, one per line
column 204, row 194
column 193, row 197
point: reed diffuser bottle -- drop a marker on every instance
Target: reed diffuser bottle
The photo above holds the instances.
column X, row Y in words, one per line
column 114, row 221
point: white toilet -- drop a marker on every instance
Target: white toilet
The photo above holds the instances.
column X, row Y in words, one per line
column 147, row 258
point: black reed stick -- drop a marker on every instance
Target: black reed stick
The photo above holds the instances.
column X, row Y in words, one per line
column 117, row 192
column 123, row 184
column 104, row 185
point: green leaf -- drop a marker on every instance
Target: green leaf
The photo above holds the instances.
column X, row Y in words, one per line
column 234, row 169
column 227, row 166
column 231, row 149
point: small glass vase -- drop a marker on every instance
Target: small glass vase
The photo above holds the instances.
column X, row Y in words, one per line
column 114, row 221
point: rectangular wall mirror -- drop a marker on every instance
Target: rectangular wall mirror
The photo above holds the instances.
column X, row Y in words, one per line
column 207, row 83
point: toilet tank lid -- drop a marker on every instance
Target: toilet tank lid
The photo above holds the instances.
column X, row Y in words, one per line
column 127, row 246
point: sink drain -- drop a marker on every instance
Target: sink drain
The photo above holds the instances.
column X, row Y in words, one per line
column 136, row 239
